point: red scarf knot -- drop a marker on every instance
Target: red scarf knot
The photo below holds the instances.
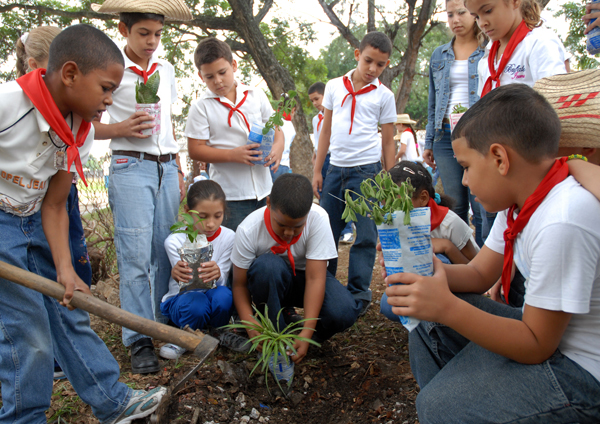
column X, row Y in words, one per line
column 235, row 109
column 286, row 116
column 438, row 213
column 144, row 74
column 215, row 235
column 320, row 115
column 556, row 175
column 495, row 74
column 282, row 246
column 353, row 94
column 35, row 88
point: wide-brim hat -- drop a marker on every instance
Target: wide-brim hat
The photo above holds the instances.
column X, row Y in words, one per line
column 172, row 10
column 576, row 99
column 404, row 118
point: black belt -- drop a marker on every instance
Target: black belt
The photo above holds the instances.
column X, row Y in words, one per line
column 147, row 156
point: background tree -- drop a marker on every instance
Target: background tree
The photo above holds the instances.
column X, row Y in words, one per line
column 573, row 11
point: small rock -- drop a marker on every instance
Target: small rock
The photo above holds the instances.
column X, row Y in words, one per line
column 245, row 419
column 254, row 414
column 262, row 420
column 240, row 398
column 296, row 398
column 377, row 405
column 308, row 379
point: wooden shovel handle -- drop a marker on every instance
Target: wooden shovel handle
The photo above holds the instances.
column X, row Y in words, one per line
column 102, row 309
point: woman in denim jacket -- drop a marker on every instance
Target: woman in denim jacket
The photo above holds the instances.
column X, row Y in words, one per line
column 453, row 79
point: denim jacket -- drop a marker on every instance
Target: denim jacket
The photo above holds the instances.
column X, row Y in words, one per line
column 439, row 88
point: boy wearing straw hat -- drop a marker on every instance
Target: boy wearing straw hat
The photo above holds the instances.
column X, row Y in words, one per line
column 408, row 149
column 145, row 181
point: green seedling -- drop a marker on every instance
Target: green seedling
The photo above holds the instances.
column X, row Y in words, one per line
column 187, row 225
column 459, row 109
column 285, row 104
column 148, row 93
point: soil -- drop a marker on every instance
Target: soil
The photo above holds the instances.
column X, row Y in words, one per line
column 359, row 376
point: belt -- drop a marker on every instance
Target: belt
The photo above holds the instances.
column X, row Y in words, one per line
column 147, row 156
column 446, row 121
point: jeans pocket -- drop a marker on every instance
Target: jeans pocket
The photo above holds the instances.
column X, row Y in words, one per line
column 123, row 164
column 127, row 243
column 368, row 171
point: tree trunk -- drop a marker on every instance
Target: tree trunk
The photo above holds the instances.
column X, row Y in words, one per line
column 277, row 78
column 371, row 16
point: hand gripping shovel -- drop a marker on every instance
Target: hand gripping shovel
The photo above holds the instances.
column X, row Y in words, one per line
column 202, row 345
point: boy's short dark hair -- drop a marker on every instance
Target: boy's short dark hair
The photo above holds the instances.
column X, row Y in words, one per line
column 317, row 87
column 85, row 45
column 515, row 115
column 130, row 19
column 377, row 40
column 211, row 49
column 292, row 195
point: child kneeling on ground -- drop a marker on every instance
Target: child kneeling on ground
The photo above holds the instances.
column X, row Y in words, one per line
column 280, row 260
column 476, row 360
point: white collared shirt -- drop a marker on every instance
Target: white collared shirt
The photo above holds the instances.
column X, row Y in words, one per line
column 539, row 55
column 124, row 106
column 207, row 120
column 363, row 146
column 289, row 133
column 252, row 239
column 317, row 129
column 27, row 152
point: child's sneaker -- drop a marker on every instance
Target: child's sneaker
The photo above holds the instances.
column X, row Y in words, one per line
column 141, row 404
column 171, row 351
column 59, row 374
column 233, row 341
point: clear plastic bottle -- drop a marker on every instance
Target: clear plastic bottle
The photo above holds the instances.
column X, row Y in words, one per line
column 593, row 37
column 265, row 141
column 282, row 370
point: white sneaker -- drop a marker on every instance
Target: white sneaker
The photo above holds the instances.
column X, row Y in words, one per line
column 141, row 404
column 171, row 351
column 347, row 238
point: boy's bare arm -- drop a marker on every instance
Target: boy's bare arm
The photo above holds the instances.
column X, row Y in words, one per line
column 388, row 145
column 276, row 152
column 55, row 222
column 586, row 174
column 322, row 149
column 199, row 150
column 478, row 275
column 241, row 297
column 530, row 341
column 314, row 293
column 131, row 127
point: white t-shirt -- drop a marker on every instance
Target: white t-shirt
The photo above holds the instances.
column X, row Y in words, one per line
column 252, row 239
column 289, row 133
column 558, row 253
column 363, row 146
column 207, row 120
column 459, row 85
column 123, row 107
column 456, row 230
column 222, row 247
column 541, row 54
column 27, row 152
column 409, row 141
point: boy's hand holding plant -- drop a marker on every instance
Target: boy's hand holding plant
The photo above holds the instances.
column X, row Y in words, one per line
column 182, row 272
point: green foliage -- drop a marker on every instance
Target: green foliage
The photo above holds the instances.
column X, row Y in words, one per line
column 147, row 93
column 284, row 105
column 187, row 225
column 573, row 12
column 273, row 339
column 389, row 198
column 459, row 108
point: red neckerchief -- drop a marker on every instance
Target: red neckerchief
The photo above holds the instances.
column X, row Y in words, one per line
column 35, row 88
column 235, row 109
column 438, row 213
column 495, row 74
column 282, row 245
column 144, row 74
column 286, row 116
column 410, row 130
column 556, row 175
column 365, row 89
column 320, row 115
column 215, row 235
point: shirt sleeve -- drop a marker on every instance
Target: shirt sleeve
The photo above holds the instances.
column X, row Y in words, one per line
column 266, row 110
column 243, row 252
column 388, row 108
column 173, row 84
column 320, row 244
column 224, row 260
column 328, row 96
column 172, row 243
column 495, row 240
column 405, row 138
column 197, row 125
column 458, row 232
column 546, row 57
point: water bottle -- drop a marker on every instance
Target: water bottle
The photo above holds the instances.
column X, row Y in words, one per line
column 593, row 37
column 282, row 370
column 265, row 141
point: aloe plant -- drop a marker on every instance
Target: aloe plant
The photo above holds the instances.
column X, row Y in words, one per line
column 285, row 104
column 389, row 198
column 459, row 109
column 148, row 93
column 187, row 225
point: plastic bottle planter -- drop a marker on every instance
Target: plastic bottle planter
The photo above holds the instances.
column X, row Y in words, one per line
column 265, row 141
column 195, row 256
column 282, row 370
column 154, row 110
column 454, row 118
column 593, row 37
column 407, row 248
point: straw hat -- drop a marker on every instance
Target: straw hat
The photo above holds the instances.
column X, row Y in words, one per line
column 576, row 99
column 172, row 10
column 404, row 118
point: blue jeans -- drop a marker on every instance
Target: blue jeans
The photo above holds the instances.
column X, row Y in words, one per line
column 487, row 221
column 199, row 309
column 238, row 210
column 452, row 173
column 35, row 329
column 271, row 282
column 79, row 253
column 144, row 198
column 462, row 382
column 280, row 171
column 348, row 228
column 362, row 252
